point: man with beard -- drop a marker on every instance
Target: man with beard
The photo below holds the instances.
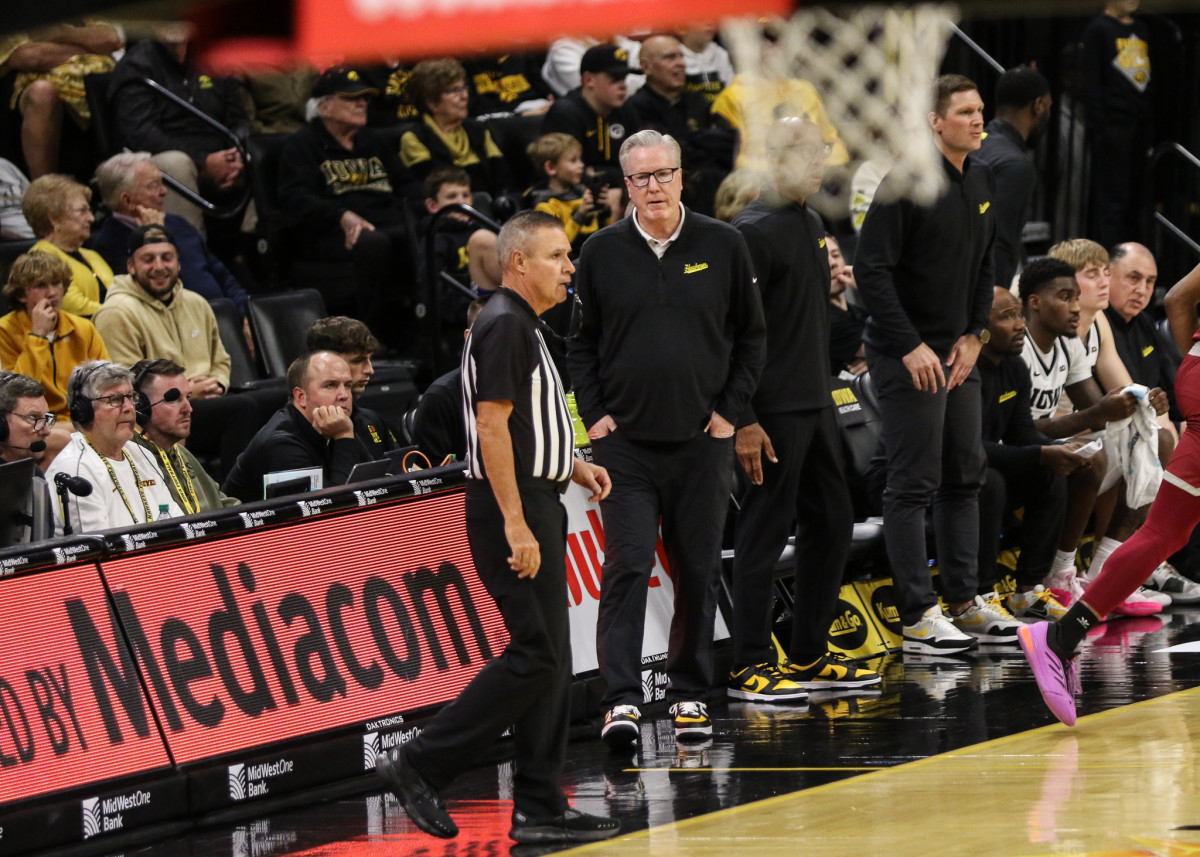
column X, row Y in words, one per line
column 148, row 314
column 1025, row 469
column 164, row 416
column 1022, row 111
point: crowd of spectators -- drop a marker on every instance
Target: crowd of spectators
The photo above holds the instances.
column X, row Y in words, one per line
column 114, row 323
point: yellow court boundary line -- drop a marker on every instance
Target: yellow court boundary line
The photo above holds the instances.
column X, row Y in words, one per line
column 874, row 773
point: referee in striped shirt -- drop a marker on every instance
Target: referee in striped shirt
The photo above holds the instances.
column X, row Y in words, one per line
column 521, row 455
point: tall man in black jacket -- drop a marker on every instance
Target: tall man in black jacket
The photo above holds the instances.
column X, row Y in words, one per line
column 790, row 422
column 925, row 274
column 669, row 354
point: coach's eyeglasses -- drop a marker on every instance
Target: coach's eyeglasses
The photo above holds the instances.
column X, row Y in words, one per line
column 663, row 176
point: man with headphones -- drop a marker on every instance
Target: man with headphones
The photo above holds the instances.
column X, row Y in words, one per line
column 128, row 486
column 164, row 417
column 25, row 423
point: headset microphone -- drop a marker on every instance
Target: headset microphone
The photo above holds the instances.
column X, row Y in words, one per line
column 36, row 446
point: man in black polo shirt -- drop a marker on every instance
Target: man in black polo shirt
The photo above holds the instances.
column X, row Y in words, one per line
column 521, row 446
column 1142, row 350
column 925, row 274
column 790, row 422
column 669, row 353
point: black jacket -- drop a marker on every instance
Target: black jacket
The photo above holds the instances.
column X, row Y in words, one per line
column 319, row 181
column 791, row 265
column 439, row 428
column 690, row 122
column 665, row 342
column 1011, row 163
column 925, row 273
column 601, row 137
column 1145, row 353
column 289, row 442
column 148, row 122
column 1009, row 438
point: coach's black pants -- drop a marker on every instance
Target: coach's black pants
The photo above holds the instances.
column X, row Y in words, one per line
column 806, row 492
column 687, row 485
column 1043, row 494
column 527, row 686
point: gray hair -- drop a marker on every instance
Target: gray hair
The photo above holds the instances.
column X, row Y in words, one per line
column 88, row 379
column 14, row 386
column 518, row 231
column 645, row 140
column 116, row 175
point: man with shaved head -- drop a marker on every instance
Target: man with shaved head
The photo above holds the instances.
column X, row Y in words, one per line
column 665, row 104
column 1131, row 288
column 788, row 440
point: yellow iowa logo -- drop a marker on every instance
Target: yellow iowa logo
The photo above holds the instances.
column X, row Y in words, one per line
column 1004, row 397
column 621, row 55
column 843, row 396
column 205, row 81
column 698, row 266
column 352, row 75
column 984, row 206
column 821, row 243
column 1146, row 351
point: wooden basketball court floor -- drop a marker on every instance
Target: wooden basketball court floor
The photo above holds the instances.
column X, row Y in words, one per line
column 951, row 757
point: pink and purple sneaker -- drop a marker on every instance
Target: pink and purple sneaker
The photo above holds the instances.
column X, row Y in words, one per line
column 1056, row 677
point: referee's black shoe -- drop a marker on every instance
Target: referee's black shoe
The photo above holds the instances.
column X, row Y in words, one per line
column 417, row 797
column 571, row 826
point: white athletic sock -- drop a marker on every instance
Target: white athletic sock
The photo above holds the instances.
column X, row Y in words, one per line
column 1063, row 561
column 1103, row 552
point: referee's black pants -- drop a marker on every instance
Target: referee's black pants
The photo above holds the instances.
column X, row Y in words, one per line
column 527, row 687
column 687, row 485
column 807, row 491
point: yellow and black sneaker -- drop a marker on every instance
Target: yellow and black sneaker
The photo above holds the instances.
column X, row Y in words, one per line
column 831, row 670
column 691, row 722
column 763, row 683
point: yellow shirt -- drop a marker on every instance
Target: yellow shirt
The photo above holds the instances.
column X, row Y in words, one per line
column 83, row 295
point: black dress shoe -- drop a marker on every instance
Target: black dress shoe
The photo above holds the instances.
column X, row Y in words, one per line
column 571, row 826
column 417, row 797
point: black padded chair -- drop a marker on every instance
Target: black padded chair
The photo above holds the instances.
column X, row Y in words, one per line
column 244, row 374
column 280, row 323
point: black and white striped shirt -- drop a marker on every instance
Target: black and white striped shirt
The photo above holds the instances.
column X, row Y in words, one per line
column 505, row 358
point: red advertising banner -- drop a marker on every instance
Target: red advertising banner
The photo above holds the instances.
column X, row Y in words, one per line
column 55, row 733
column 411, row 29
column 282, row 633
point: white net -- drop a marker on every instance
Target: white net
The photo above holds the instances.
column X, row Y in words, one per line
column 862, row 73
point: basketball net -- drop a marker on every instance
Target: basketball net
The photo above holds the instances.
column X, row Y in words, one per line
column 873, row 67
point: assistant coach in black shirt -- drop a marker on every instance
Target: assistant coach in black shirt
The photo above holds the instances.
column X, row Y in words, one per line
column 788, row 440
column 925, row 274
column 521, row 455
column 669, row 353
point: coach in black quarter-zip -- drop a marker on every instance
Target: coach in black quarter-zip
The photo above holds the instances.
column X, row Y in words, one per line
column 669, row 354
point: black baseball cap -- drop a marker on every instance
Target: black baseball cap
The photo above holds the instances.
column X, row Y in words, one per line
column 151, row 233
column 607, row 58
column 339, row 80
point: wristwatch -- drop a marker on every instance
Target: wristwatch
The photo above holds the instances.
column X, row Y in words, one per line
column 983, row 334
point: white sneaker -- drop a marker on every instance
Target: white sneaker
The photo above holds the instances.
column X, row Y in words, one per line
column 1158, row 597
column 987, row 621
column 934, row 634
column 1167, row 580
column 1065, row 586
column 1037, row 604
